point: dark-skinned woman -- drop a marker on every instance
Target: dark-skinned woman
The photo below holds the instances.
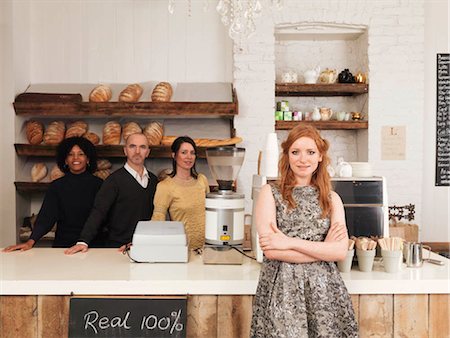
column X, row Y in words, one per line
column 69, row 199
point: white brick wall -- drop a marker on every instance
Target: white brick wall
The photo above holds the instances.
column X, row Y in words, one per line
column 395, row 64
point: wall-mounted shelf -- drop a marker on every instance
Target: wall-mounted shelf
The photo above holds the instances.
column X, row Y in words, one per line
column 43, row 104
column 334, row 89
column 31, row 187
column 324, row 125
column 39, row 187
column 102, row 151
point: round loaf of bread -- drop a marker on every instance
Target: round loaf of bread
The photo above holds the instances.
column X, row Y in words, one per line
column 55, row 173
column 162, row 92
column 103, row 164
column 38, row 172
column 111, row 133
column 78, row 128
column 93, row 137
column 54, row 133
column 154, row 132
column 132, row 93
column 103, row 174
column 130, row 128
column 101, row 93
column 34, row 131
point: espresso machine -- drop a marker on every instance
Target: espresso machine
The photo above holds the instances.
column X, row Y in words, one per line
column 224, row 224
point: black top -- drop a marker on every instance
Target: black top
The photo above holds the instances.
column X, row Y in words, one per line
column 120, row 204
column 67, row 203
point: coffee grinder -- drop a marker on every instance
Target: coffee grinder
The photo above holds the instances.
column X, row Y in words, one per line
column 224, row 226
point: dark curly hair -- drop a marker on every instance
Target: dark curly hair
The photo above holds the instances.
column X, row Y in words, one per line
column 66, row 146
column 175, row 147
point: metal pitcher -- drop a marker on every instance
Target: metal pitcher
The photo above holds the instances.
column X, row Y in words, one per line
column 412, row 253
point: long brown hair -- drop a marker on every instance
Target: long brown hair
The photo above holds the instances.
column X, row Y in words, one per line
column 320, row 178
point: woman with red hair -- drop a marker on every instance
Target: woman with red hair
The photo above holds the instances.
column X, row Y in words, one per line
column 302, row 232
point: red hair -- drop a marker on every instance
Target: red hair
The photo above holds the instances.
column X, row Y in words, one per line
column 320, row 178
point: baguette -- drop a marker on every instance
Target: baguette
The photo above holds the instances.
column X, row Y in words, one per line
column 204, row 142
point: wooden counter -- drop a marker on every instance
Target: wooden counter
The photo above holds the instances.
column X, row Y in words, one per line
column 36, row 287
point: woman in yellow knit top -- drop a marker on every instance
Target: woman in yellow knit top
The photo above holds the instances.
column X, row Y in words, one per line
column 183, row 193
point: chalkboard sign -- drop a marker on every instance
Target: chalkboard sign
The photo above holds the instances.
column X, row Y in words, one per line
column 127, row 317
column 443, row 120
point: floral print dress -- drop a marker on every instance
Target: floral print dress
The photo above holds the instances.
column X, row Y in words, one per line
column 304, row 299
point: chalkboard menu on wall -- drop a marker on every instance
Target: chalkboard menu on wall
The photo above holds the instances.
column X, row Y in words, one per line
column 443, row 120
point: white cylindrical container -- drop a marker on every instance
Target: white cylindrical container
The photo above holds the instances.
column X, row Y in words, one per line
column 224, row 223
column 270, row 156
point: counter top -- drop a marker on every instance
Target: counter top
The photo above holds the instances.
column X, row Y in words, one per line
column 45, row 271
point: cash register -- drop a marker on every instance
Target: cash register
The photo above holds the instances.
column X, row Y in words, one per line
column 159, row 242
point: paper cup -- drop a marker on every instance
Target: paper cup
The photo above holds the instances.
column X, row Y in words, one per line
column 392, row 260
column 365, row 259
column 346, row 264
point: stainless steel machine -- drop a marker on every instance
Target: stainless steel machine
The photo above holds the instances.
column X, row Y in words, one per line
column 224, row 226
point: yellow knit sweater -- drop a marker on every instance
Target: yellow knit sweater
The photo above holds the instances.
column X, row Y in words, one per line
column 185, row 201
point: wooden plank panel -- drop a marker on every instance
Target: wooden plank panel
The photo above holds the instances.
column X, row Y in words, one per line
column 376, row 316
column 411, row 316
column 355, row 302
column 335, row 89
column 53, row 316
column 324, row 125
column 439, row 323
column 202, row 317
column 18, row 316
column 234, row 316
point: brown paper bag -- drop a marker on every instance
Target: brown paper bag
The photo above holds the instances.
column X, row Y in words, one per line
column 409, row 232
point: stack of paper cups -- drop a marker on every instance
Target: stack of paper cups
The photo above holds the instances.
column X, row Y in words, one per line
column 270, row 156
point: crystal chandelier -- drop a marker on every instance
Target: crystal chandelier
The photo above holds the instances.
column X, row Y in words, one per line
column 238, row 15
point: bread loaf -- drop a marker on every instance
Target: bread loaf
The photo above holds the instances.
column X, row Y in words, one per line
column 131, row 93
column 204, row 142
column 38, row 172
column 103, row 164
column 78, row 128
column 101, row 93
column 154, row 132
column 103, row 174
column 34, row 131
column 93, row 137
column 111, row 133
column 162, row 92
column 54, row 133
column 130, row 128
column 55, row 173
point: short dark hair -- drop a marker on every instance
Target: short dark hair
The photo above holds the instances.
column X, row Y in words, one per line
column 66, row 146
column 175, row 147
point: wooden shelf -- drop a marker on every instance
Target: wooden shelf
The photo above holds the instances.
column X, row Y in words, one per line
column 334, row 89
column 324, row 125
column 36, row 187
column 70, row 105
column 31, row 187
column 102, row 151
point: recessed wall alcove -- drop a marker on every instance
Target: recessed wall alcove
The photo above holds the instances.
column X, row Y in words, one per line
column 303, row 46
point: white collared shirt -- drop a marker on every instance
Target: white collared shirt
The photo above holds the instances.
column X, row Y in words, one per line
column 142, row 180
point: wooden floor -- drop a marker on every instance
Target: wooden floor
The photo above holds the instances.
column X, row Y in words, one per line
column 230, row 316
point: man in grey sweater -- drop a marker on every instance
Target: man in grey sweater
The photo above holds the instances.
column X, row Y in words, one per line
column 124, row 198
